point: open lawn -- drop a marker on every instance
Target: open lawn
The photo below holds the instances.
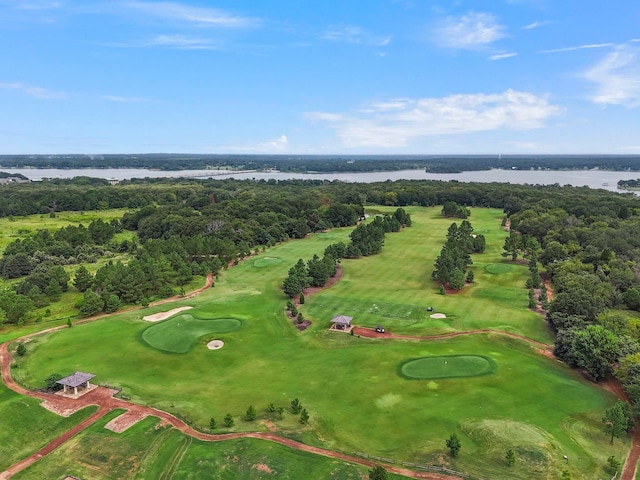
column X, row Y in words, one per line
column 26, row 427
column 352, row 387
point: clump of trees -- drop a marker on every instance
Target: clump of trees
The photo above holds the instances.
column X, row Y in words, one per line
column 450, row 267
column 452, row 209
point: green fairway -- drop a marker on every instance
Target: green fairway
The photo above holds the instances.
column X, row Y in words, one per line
column 449, row 366
column 350, row 386
column 181, row 333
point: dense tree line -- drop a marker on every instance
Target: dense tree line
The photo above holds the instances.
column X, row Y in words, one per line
column 593, row 259
column 327, row 163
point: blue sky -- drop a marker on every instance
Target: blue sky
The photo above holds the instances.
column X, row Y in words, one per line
column 320, row 77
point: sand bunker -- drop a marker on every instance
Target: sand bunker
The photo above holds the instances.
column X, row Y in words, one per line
column 438, row 315
column 215, row 344
column 156, row 317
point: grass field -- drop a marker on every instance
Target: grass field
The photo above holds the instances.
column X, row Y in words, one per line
column 26, row 426
column 351, row 386
column 147, row 451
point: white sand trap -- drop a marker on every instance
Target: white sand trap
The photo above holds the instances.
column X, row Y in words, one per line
column 156, row 317
column 438, row 315
column 215, row 344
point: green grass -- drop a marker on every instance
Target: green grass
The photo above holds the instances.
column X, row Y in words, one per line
column 181, row 333
column 148, row 451
column 349, row 385
column 26, row 427
column 448, row 366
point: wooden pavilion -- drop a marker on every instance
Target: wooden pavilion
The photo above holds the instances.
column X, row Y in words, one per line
column 78, row 380
column 341, row 323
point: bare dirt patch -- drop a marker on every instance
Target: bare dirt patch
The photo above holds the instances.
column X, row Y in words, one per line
column 262, row 467
column 62, row 409
column 126, row 420
column 438, row 315
column 157, row 317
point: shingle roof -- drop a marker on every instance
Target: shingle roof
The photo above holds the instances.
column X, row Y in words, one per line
column 342, row 319
column 76, row 379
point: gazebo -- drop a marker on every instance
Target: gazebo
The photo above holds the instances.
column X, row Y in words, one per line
column 341, row 323
column 77, row 380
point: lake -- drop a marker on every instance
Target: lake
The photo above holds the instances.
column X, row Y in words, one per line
column 591, row 178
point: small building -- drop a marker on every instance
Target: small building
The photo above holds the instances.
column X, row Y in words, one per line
column 78, row 380
column 341, row 323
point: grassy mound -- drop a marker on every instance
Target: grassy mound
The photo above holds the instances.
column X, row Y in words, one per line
column 448, row 366
column 180, row 334
column 266, row 262
column 497, row 268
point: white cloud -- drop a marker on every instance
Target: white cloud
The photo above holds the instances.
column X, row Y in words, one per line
column 355, row 35
column 279, row 143
column 470, row 31
column 501, row 56
column 533, row 25
column 456, row 114
column 579, row 47
column 197, row 15
column 37, row 92
column 617, row 77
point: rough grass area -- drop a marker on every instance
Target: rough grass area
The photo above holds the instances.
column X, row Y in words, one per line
column 150, row 451
column 181, row 333
column 449, row 366
column 25, row 426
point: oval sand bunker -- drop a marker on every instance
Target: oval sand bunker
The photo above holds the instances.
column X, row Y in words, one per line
column 438, row 315
column 215, row 344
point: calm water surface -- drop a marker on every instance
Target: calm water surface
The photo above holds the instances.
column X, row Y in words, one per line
column 578, row 178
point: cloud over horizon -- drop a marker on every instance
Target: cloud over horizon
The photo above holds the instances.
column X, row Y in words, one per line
column 395, row 123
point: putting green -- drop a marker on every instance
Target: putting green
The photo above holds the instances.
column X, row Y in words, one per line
column 266, row 262
column 497, row 268
column 448, row 366
column 180, row 334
